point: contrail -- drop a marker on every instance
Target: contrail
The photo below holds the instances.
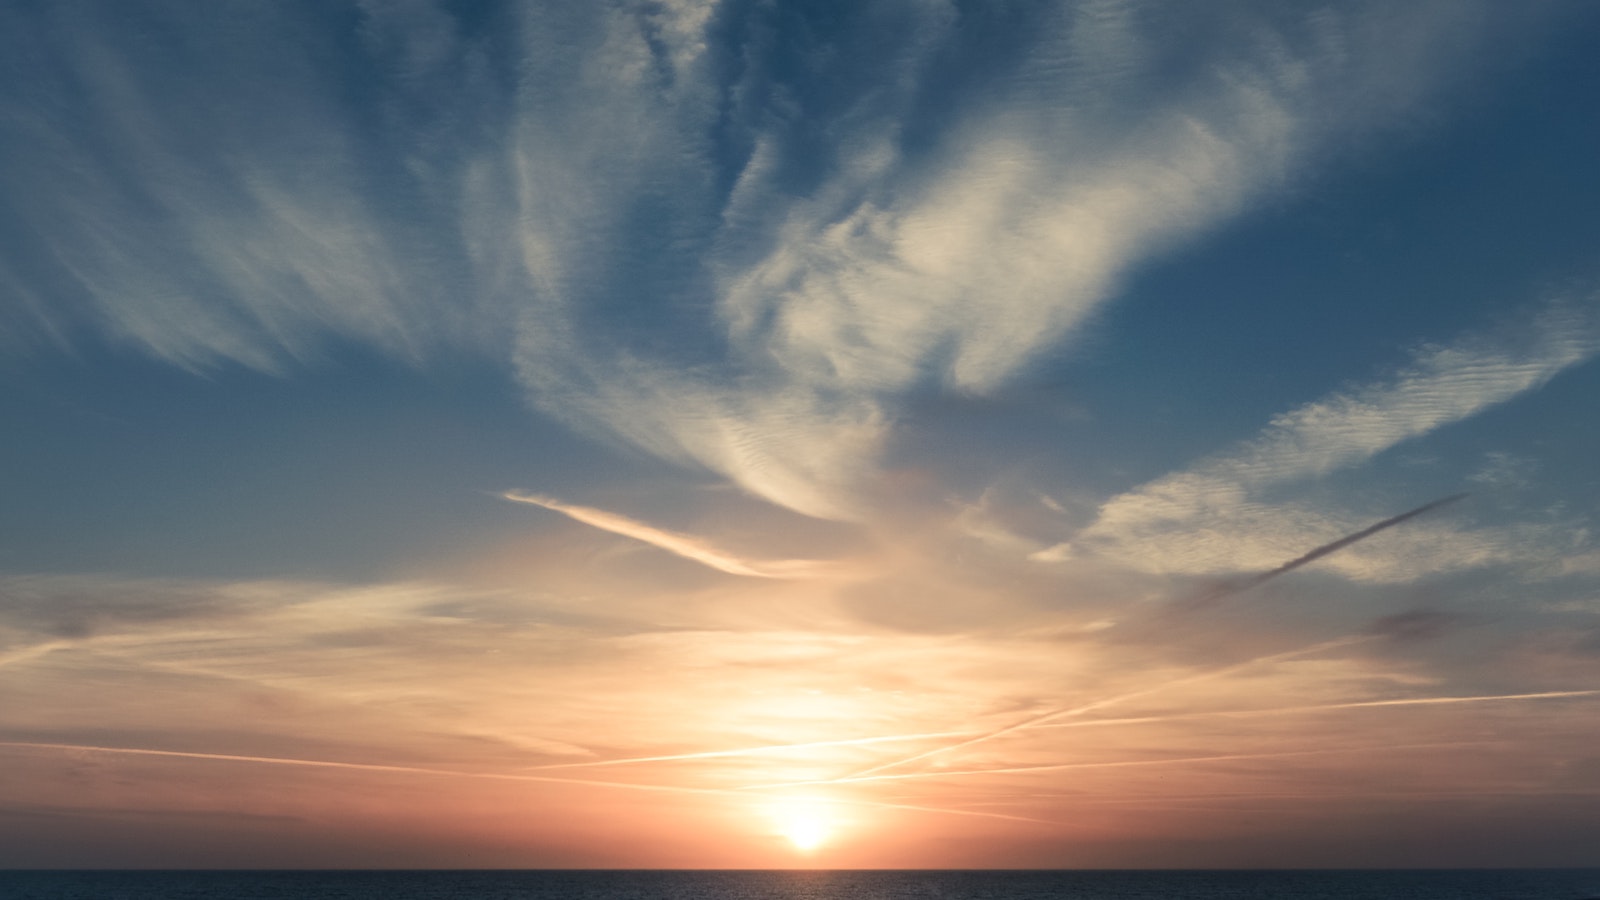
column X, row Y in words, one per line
column 1239, row 802
column 948, row 810
column 363, row 767
column 1239, row 587
column 1173, row 799
column 1210, row 598
column 1035, row 721
column 497, row 776
column 1092, row 723
column 1120, row 764
column 751, row 751
column 1207, row 599
column 1356, row 704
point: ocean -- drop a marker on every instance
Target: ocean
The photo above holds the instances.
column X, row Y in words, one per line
column 1476, row 884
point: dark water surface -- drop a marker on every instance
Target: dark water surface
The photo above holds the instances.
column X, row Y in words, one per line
column 1537, row 884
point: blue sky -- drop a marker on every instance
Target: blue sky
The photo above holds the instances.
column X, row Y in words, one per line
column 775, row 418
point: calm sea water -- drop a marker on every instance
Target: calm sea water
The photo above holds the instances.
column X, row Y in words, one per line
column 1564, row 884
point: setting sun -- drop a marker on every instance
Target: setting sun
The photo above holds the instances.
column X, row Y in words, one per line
column 806, row 824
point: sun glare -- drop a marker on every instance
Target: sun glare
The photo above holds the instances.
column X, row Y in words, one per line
column 806, row 824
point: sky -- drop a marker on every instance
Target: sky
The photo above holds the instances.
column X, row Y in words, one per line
column 788, row 433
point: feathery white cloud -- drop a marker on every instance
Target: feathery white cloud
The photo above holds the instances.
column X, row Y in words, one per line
column 1444, row 384
column 956, row 261
column 671, row 237
column 1211, row 517
column 687, row 546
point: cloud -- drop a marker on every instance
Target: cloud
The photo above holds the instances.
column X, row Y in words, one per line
column 956, row 263
column 1040, row 719
column 1212, row 516
column 1414, row 625
column 354, row 766
column 1218, row 593
column 74, row 607
column 1444, row 384
column 736, row 238
column 295, row 668
column 687, row 546
column 357, row 686
column 197, row 192
column 408, row 674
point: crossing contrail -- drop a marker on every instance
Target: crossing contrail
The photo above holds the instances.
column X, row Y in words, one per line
column 363, row 767
column 1207, row 599
column 768, row 749
column 1324, row 707
column 495, row 776
column 1124, row 763
column 1035, row 721
column 763, row 750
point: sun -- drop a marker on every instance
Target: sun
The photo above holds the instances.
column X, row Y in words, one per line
column 806, row 833
column 807, row 824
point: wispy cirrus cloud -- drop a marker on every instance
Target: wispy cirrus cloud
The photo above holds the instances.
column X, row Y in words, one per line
column 687, row 546
column 1213, row 516
column 735, row 237
column 197, row 191
column 955, row 258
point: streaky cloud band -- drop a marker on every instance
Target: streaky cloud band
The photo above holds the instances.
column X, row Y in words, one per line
column 686, row 546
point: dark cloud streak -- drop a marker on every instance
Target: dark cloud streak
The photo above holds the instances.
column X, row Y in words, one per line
column 1397, row 627
column 1220, row 592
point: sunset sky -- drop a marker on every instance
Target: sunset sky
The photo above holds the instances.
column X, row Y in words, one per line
column 766, row 433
